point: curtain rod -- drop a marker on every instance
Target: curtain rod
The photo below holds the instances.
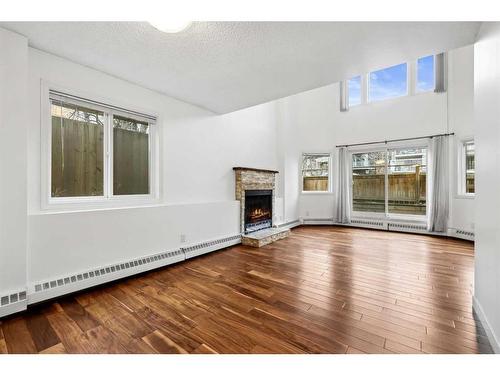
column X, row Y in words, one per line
column 55, row 93
column 396, row 140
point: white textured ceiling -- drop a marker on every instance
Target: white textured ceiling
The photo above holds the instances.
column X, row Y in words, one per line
column 225, row 66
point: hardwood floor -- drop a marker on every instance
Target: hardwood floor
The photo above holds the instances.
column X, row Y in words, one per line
column 322, row 290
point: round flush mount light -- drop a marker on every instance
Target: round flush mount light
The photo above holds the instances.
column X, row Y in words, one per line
column 170, row 26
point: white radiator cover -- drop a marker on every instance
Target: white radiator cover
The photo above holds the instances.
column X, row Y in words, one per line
column 57, row 286
column 390, row 225
column 461, row 233
column 12, row 302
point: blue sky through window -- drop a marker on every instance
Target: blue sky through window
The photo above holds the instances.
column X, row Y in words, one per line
column 354, row 85
column 388, row 83
column 425, row 73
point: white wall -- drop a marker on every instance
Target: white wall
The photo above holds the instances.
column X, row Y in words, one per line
column 198, row 151
column 13, row 221
column 317, row 125
column 487, row 136
column 461, row 121
column 68, row 243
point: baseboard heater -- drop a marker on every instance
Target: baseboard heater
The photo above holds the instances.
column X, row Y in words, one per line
column 375, row 224
column 317, row 221
column 12, row 302
column 463, row 234
column 408, row 227
column 206, row 247
column 47, row 289
column 289, row 224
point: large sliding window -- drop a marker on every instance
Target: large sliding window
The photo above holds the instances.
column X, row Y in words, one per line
column 407, row 181
column 368, row 181
column 98, row 152
column 390, row 181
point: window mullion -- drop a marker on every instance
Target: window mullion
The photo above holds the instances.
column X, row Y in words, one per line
column 386, row 183
column 412, row 77
column 108, row 150
column 364, row 88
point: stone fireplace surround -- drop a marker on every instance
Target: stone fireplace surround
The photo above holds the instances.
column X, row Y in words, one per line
column 257, row 179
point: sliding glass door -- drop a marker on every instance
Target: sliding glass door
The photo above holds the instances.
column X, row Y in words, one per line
column 407, row 181
column 390, row 181
column 368, row 181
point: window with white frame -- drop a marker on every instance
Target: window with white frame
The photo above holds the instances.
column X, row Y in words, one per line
column 467, row 168
column 390, row 181
column 316, row 172
column 394, row 82
column 391, row 82
column 354, row 90
column 98, row 151
column 425, row 74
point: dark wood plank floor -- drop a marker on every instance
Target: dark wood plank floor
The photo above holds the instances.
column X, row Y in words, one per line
column 322, row 290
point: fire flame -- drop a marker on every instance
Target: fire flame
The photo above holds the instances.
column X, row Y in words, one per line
column 258, row 213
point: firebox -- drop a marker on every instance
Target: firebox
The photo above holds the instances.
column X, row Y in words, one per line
column 258, row 210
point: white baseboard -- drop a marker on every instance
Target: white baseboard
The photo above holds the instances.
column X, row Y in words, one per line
column 494, row 341
column 461, row 233
column 12, row 302
column 393, row 226
column 43, row 290
column 290, row 224
column 317, row 221
column 47, row 289
column 209, row 246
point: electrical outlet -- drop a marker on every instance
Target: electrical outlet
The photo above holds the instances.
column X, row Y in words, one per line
column 307, row 213
column 183, row 238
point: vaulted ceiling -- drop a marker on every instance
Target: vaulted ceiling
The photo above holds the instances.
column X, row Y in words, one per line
column 226, row 66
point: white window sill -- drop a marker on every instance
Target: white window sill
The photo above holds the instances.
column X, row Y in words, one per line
column 395, row 98
column 465, row 196
column 390, row 217
column 409, row 218
column 316, row 193
column 85, row 204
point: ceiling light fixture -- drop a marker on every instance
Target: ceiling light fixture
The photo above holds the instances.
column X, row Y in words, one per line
column 170, row 26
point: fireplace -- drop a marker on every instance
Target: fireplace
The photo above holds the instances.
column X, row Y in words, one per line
column 255, row 189
column 258, row 210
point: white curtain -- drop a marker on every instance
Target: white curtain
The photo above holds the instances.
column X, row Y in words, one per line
column 344, row 188
column 343, row 93
column 440, row 73
column 438, row 185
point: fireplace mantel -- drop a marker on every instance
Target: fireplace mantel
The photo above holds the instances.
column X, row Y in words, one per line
column 254, row 169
